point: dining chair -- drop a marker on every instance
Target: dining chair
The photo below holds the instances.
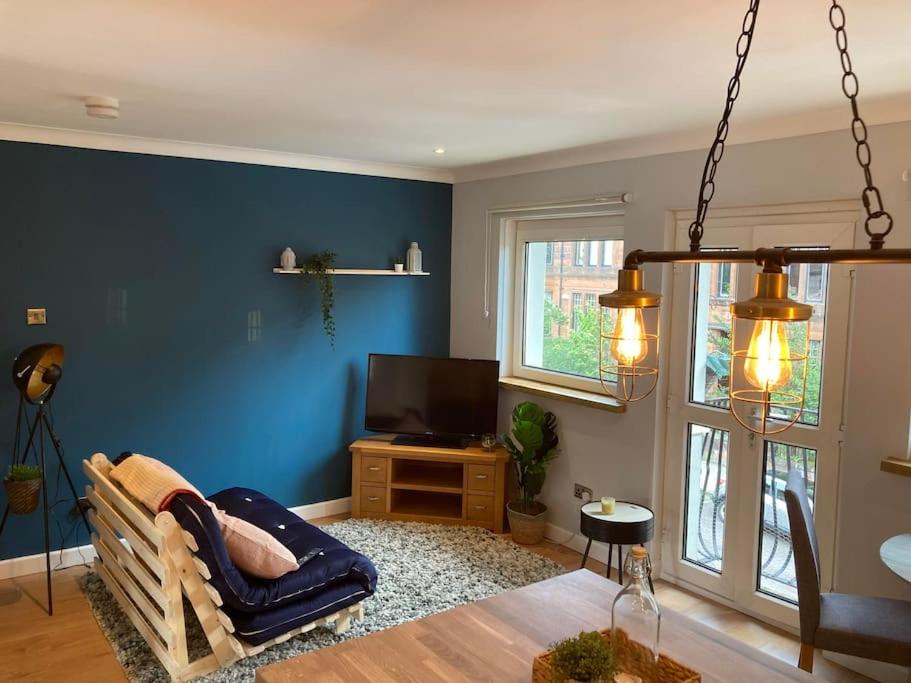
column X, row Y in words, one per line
column 873, row 628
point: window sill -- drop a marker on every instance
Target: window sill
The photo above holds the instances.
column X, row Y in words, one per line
column 585, row 398
column 896, row 466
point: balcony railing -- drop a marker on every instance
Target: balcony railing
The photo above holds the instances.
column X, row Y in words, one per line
column 776, row 560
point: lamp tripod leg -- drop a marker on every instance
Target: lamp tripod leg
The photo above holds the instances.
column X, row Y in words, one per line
column 47, row 536
column 69, row 480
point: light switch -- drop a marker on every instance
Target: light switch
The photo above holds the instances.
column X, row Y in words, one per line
column 36, row 316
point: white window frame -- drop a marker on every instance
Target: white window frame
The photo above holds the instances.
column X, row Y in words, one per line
column 585, row 229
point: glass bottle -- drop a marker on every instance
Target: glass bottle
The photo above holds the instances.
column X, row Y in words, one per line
column 413, row 259
column 635, row 609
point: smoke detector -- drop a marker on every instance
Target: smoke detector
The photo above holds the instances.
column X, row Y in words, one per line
column 102, row 107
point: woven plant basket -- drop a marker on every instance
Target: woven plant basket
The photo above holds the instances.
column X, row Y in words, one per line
column 22, row 495
column 526, row 529
column 632, row 658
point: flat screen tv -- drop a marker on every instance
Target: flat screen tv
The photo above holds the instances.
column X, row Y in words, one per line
column 431, row 399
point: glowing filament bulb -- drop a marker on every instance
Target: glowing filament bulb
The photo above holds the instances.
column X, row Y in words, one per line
column 628, row 346
column 768, row 362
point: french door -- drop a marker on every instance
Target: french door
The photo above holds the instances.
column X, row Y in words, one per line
column 726, row 523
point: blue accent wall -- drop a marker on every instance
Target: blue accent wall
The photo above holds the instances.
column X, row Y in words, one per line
column 181, row 343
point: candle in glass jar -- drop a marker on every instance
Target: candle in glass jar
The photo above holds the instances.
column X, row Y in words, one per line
column 607, row 505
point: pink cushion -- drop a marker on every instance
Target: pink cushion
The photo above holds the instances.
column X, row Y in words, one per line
column 254, row 551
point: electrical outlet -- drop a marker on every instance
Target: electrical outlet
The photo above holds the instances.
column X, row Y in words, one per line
column 36, row 316
column 81, row 506
column 579, row 491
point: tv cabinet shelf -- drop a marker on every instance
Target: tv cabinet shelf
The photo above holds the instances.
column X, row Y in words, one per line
column 428, row 483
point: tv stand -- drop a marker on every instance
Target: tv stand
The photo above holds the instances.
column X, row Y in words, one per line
column 429, row 483
column 430, row 441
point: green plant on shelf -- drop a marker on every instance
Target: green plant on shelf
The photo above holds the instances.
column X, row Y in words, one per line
column 320, row 266
column 21, row 472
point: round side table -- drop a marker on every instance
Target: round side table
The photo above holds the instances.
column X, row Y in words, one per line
column 630, row 524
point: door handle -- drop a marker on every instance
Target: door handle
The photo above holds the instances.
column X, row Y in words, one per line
column 374, row 468
column 373, row 499
column 480, row 507
column 480, row 476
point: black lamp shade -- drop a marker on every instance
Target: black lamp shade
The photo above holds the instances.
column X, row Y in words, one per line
column 37, row 369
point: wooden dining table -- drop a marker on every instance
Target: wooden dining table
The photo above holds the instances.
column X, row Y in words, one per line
column 895, row 553
column 496, row 640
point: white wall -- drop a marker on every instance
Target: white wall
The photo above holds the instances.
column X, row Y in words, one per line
column 621, row 454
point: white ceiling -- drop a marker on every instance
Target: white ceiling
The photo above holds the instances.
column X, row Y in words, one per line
column 389, row 80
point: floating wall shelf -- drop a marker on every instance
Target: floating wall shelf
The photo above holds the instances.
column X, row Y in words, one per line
column 347, row 271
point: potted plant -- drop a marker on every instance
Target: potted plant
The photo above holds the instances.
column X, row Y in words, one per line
column 587, row 657
column 535, row 445
column 23, row 485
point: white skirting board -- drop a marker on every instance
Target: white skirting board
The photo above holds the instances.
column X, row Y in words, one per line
column 84, row 554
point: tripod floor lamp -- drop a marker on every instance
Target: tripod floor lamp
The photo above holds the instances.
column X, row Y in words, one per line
column 36, row 373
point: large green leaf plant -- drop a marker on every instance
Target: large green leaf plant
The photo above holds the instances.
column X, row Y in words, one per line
column 532, row 445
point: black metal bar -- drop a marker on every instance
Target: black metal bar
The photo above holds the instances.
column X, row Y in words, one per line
column 620, row 562
column 779, row 257
column 588, row 547
column 610, row 555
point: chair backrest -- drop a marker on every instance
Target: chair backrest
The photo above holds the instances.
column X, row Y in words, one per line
column 806, row 554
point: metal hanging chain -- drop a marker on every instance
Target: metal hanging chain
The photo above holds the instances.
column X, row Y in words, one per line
column 716, row 151
column 873, row 201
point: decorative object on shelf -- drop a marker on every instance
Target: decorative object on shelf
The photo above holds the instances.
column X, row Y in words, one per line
column 414, row 259
column 585, row 658
column 608, row 505
column 535, row 445
column 36, row 373
column 635, row 610
column 288, row 259
column 634, row 662
column 488, row 441
column 398, row 267
column 320, row 265
column 23, row 486
column 767, row 377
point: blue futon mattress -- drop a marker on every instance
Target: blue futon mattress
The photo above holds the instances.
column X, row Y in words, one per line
column 262, row 609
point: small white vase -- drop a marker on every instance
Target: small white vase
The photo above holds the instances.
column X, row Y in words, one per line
column 288, row 259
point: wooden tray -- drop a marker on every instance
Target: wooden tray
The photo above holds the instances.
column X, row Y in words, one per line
column 632, row 658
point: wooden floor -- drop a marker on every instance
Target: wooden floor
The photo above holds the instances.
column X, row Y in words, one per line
column 70, row 647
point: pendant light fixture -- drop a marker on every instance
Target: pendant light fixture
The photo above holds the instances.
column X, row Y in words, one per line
column 628, row 352
column 768, row 366
column 769, row 369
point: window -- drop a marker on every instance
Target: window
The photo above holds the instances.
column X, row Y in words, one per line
column 794, row 279
column 593, row 253
column 722, row 281
column 555, row 332
column 577, row 311
column 816, row 281
column 608, row 252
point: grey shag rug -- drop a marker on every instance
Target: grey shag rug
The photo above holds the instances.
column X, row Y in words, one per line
column 423, row 569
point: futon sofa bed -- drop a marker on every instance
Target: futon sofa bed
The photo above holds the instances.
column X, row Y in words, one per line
column 150, row 562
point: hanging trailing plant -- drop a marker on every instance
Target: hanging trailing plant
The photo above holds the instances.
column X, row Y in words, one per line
column 319, row 265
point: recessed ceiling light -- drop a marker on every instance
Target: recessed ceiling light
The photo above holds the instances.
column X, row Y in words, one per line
column 102, row 107
column 439, row 150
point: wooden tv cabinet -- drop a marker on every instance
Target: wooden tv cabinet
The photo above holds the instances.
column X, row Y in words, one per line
column 429, row 484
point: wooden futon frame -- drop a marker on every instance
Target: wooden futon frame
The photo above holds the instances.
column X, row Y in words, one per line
column 148, row 564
